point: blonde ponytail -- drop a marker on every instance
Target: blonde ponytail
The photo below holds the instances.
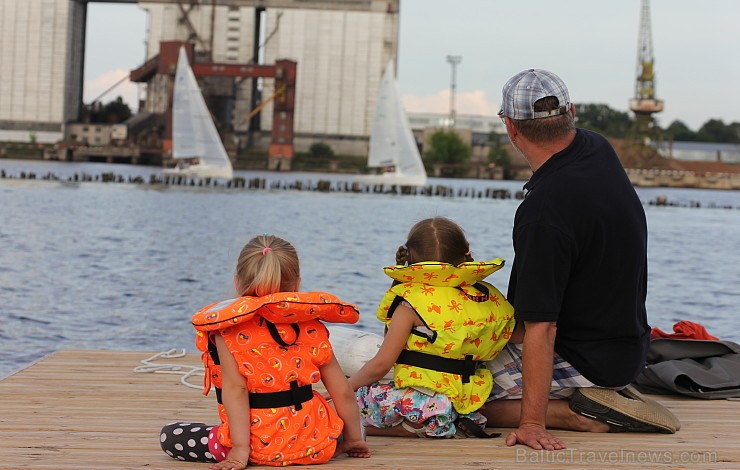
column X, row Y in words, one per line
column 267, row 264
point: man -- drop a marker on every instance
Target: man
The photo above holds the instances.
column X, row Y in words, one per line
column 578, row 282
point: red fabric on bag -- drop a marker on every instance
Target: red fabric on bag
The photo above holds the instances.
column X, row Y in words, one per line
column 684, row 330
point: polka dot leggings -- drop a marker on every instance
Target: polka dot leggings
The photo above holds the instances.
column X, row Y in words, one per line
column 187, row 441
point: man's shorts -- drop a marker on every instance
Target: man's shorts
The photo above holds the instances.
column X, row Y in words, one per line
column 507, row 376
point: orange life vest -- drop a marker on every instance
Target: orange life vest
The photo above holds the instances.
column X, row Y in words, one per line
column 279, row 343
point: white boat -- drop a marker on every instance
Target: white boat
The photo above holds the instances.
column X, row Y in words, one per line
column 196, row 145
column 392, row 144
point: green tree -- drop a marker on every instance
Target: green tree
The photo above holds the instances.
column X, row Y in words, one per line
column 115, row 111
column 678, row 131
column 498, row 155
column 111, row 112
column 715, row 130
column 321, row 150
column 448, row 149
column 735, row 126
column 603, row 119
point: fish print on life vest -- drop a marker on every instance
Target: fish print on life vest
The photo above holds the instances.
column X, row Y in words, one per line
column 284, row 435
column 466, row 315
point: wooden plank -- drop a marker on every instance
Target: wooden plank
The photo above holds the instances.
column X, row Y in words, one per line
column 89, row 410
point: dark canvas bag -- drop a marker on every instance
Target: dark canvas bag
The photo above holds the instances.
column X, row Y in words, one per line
column 695, row 368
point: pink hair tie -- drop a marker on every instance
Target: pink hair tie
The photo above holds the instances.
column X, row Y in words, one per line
column 265, row 250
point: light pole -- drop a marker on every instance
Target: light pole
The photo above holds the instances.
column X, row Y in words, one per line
column 453, row 60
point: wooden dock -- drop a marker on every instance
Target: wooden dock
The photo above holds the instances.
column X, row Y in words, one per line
column 89, row 410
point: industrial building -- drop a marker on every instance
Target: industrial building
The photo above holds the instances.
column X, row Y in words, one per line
column 700, row 151
column 341, row 50
column 41, row 77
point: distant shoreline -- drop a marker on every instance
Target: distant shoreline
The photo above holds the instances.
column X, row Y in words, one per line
column 161, row 182
column 643, row 178
column 648, row 178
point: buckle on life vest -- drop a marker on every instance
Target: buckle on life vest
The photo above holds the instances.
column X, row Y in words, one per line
column 463, row 367
column 294, row 396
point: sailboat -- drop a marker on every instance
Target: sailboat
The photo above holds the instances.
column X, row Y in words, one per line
column 392, row 144
column 196, row 145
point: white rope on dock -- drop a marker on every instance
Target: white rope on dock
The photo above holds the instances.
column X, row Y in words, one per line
column 149, row 366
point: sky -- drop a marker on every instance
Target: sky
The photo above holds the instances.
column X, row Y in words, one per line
column 590, row 44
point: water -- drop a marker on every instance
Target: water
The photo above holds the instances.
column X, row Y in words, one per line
column 118, row 266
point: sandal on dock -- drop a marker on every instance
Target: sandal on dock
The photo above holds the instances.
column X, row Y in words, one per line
column 466, row 427
column 625, row 410
column 420, row 432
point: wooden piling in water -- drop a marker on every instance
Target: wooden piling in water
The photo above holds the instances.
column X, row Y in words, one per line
column 323, row 186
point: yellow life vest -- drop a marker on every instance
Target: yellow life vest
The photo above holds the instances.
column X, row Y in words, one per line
column 467, row 320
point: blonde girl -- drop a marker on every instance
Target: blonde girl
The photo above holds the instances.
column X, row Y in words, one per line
column 262, row 352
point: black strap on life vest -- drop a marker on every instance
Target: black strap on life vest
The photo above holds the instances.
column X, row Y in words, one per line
column 276, row 334
column 294, row 396
column 293, row 400
column 213, row 352
column 430, row 335
column 463, row 367
column 484, row 293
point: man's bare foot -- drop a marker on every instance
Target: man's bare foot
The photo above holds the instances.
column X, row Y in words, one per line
column 576, row 422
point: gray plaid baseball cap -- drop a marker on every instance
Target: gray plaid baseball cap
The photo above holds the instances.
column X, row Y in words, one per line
column 524, row 88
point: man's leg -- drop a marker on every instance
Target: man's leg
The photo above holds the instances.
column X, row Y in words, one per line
column 505, row 414
column 504, row 406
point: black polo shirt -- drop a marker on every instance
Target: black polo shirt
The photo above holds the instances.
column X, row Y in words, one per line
column 580, row 242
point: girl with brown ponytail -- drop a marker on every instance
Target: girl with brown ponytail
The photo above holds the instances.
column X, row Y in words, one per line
column 435, row 239
column 442, row 322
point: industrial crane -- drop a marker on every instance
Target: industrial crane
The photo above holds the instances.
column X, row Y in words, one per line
column 645, row 103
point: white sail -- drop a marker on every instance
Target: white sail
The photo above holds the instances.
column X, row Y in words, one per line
column 383, row 145
column 392, row 143
column 193, row 133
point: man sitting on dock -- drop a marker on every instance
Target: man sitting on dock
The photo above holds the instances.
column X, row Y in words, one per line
column 578, row 281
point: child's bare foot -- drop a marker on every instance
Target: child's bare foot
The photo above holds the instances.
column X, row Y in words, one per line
column 357, row 449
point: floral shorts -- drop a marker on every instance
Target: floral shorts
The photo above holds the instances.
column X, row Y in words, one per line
column 385, row 406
